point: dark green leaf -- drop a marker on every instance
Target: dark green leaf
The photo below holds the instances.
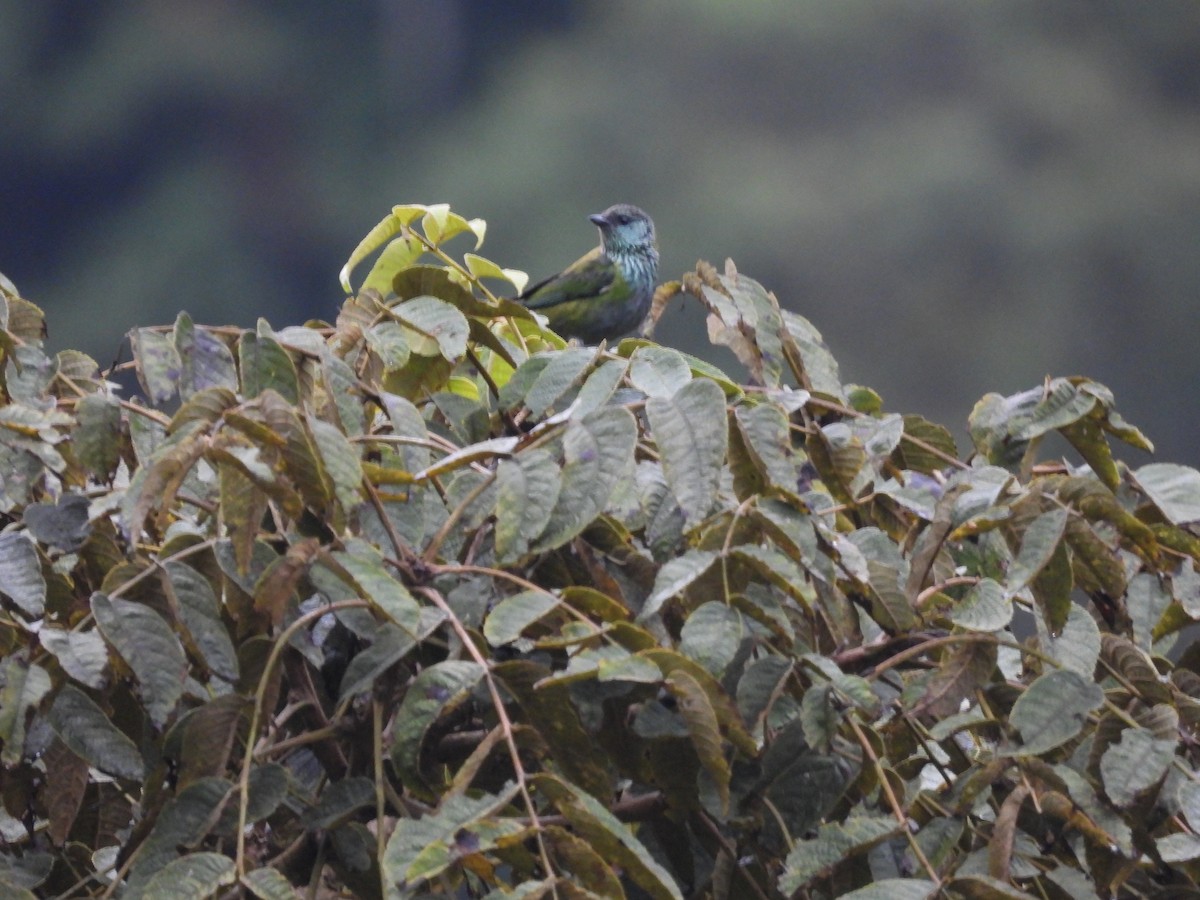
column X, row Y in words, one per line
column 21, row 574
column 1053, row 710
column 149, row 647
column 87, row 731
column 692, row 438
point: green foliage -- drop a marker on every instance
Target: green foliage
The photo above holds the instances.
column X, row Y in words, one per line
column 424, row 602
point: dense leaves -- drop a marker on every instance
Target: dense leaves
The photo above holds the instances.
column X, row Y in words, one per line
column 422, row 602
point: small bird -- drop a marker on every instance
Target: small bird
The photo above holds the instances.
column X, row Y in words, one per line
column 607, row 292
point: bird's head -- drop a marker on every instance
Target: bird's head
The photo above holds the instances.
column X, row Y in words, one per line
column 624, row 229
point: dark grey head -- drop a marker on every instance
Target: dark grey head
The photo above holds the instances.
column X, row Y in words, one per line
column 624, row 229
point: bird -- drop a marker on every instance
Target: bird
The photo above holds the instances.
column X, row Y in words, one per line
column 606, row 293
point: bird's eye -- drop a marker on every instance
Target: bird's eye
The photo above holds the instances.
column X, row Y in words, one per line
column 622, row 219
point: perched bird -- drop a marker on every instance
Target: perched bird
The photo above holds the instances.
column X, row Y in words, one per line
column 606, row 293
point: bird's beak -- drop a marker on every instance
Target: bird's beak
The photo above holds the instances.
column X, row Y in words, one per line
column 598, row 219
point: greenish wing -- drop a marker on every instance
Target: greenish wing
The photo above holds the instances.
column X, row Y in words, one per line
column 583, row 279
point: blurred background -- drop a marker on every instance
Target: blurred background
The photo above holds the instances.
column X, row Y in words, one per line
column 963, row 197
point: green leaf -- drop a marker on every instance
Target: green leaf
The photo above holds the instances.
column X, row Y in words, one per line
column 674, row 577
column 765, row 431
column 895, row 889
column 1077, row 647
column 609, row 837
column 888, row 571
column 658, row 371
column 439, row 322
column 1053, row 710
column 1174, row 489
column 399, row 254
column 269, row 884
column 1135, row 764
column 82, row 654
column 196, row 875
column 201, row 614
column 712, row 635
column 340, row 800
column 692, row 438
column 1146, row 598
column 984, row 887
column 758, row 687
column 964, row 669
column 149, row 647
column 205, row 360
column 548, row 707
column 1059, row 404
column 88, row 732
column 599, row 386
column 701, row 720
column 564, row 371
column 341, row 461
column 597, row 452
column 485, row 268
column 527, row 489
column 984, row 608
column 158, row 364
column 819, row 364
column 835, row 843
column 366, row 571
column 421, row 849
column 98, row 438
column 22, row 687
column 436, row 690
column 265, row 365
column 391, row 644
column 1038, row 545
column 392, row 223
column 21, row 577
column 514, row 614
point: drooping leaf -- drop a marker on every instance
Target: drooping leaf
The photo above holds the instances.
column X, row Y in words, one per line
column 197, row 875
column 597, row 451
column 421, row 849
column 674, row 576
column 964, row 669
column 527, row 489
column 834, row 844
column 985, row 607
column 1174, row 489
column 158, row 363
column 514, row 614
column 98, row 438
column 364, row 567
column 548, row 707
column 82, row 654
column 701, row 720
column 690, row 431
column 1053, row 710
column 435, row 691
column 21, row 577
column 201, row 615
column 1038, row 545
column 149, row 647
column 612, row 839
column 658, row 371
column 23, row 686
column 564, row 371
column 1135, row 764
column 267, row 883
column 266, row 366
column 89, row 733
column 444, row 327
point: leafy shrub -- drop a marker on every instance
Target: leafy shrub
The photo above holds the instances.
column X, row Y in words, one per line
column 426, row 602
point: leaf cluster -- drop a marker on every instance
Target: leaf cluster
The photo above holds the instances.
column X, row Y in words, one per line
column 425, row 602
